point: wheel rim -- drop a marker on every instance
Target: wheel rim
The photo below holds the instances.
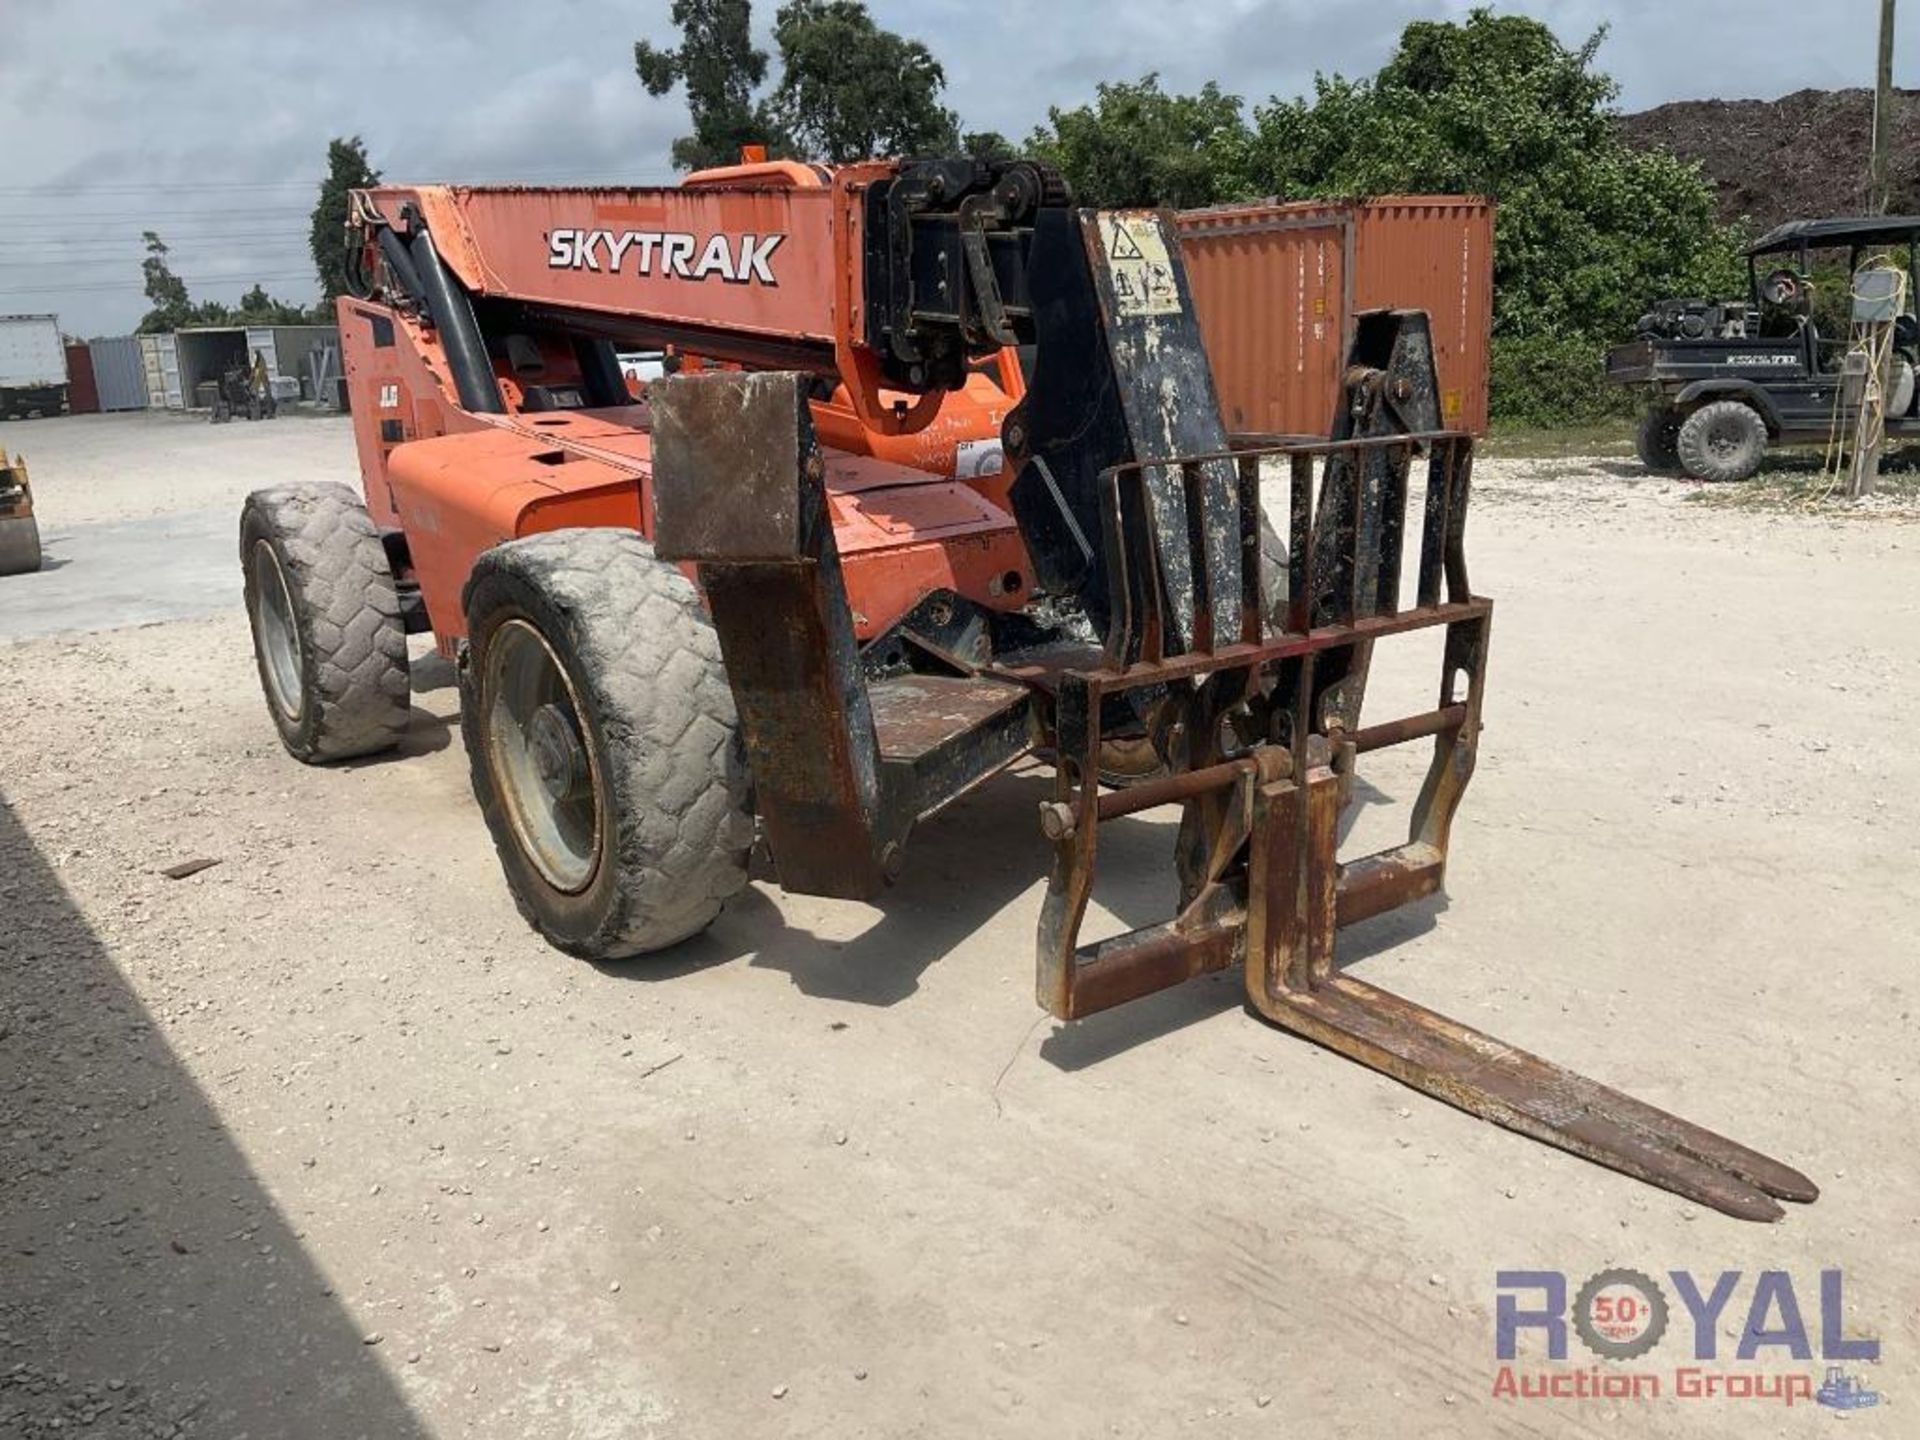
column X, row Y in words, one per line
column 278, row 635
column 540, row 758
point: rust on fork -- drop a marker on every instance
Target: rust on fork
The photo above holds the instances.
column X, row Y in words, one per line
column 1268, row 736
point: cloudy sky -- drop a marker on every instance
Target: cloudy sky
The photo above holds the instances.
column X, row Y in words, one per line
column 207, row 120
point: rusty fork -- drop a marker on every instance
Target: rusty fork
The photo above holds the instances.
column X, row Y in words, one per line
column 1262, row 885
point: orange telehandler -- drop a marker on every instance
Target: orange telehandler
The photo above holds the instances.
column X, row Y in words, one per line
column 945, row 486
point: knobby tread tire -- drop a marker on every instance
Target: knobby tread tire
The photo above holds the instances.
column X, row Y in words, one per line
column 353, row 643
column 1700, row 458
column 1657, row 442
column 636, row 643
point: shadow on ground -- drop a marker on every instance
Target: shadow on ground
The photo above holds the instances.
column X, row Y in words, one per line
column 963, row 869
column 151, row 1285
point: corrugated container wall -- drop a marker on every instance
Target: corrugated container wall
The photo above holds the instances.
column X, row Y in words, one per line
column 83, row 396
column 1436, row 254
column 118, row 373
column 161, row 362
column 1276, row 288
column 1271, row 291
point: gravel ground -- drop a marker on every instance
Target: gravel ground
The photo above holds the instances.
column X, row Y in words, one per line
column 321, row 1141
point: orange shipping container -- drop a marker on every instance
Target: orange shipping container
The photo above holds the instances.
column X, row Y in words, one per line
column 1276, row 288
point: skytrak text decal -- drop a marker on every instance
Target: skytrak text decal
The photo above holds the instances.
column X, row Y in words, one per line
column 738, row 260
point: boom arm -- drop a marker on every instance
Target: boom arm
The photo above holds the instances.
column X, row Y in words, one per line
column 891, row 278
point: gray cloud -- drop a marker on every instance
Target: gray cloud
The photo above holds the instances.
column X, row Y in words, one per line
column 208, row 121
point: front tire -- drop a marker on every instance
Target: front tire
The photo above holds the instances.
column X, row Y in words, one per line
column 327, row 633
column 19, row 545
column 1657, row 441
column 1723, row 442
column 604, row 746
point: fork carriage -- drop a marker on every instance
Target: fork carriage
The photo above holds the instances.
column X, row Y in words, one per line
column 1261, row 734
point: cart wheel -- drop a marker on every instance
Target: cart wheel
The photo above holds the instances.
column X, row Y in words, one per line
column 1657, row 441
column 1722, row 442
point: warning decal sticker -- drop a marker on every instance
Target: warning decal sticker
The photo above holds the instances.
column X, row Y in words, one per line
column 1138, row 261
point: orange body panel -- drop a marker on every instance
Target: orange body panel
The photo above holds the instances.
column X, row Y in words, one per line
column 961, row 440
column 916, row 484
column 456, row 483
column 678, row 255
column 762, row 252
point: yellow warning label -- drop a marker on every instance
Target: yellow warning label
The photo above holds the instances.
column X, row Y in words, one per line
column 1138, row 261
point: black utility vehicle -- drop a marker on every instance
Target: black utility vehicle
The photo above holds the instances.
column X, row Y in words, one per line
column 1724, row 379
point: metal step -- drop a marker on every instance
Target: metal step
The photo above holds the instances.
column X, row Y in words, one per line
column 940, row 735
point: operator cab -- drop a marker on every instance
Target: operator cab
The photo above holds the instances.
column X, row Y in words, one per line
column 1803, row 275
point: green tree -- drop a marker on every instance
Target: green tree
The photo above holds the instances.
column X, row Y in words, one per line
column 1590, row 229
column 347, row 169
column 257, row 307
column 850, row 90
column 720, row 67
column 1138, row 145
column 166, row 291
column 987, row 145
column 174, row 309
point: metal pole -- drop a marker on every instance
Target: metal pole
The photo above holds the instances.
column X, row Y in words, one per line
column 1882, row 115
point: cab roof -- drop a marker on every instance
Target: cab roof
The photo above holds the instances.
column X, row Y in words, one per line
column 1838, row 230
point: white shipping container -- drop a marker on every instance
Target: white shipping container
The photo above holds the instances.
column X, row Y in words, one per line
column 31, row 352
column 162, row 364
column 260, row 342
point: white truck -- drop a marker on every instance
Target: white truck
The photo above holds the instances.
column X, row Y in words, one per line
column 33, row 366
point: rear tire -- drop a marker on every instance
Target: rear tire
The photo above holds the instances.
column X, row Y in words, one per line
column 19, row 545
column 605, row 750
column 327, row 633
column 1723, row 442
column 1657, row 442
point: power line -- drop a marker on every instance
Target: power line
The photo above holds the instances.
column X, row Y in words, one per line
column 98, row 262
column 151, row 186
column 13, row 219
column 179, row 242
column 64, row 216
column 184, row 255
column 97, row 287
column 597, row 179
column 250, row 252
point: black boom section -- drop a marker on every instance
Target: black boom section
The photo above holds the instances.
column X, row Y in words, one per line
column 1121, row 377
column 965, row 256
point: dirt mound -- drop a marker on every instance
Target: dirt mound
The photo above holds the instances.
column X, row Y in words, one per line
column 1804, row 154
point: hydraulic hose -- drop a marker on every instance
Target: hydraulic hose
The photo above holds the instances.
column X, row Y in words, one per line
column 401, row 263
column 452, row 312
